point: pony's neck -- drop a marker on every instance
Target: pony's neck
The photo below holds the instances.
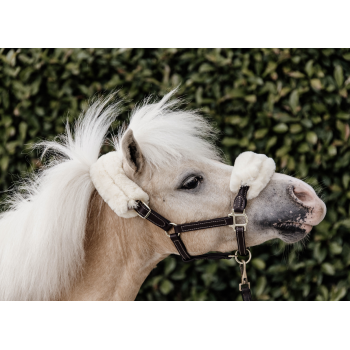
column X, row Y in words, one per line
column 119, row 255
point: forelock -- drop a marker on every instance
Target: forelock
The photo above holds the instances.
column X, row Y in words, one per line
column 167, row 134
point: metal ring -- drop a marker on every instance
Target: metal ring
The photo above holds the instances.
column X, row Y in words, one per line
column 239, row 262
column 166, row 232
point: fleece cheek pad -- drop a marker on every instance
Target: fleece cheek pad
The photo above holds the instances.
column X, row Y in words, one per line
column 116, row 189
column 121, row 193
column 253, row 170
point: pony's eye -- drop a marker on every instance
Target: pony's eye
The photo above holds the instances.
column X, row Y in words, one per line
column 191, row 182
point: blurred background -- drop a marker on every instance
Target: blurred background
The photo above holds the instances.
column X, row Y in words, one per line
column 291, row 104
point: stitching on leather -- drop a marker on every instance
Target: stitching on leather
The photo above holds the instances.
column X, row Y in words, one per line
column 239, row 241
column 202, row 223
column 159, row 219
column 195, row 228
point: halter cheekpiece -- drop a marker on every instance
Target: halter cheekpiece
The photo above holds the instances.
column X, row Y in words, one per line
column 239, row 204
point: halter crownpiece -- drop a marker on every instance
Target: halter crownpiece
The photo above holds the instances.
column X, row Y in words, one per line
column 251, row 172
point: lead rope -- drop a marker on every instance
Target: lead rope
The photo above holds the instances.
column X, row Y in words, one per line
column 239, row 205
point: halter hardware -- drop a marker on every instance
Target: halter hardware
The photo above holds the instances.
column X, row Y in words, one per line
column 239, row 204
column 149, row 211
column 234, row 215
column 167, row 232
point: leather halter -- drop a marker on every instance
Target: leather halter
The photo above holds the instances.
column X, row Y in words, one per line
column 239, row 205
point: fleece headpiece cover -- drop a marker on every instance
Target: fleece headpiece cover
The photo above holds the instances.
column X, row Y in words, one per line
column 121, row 193
column 116, row 189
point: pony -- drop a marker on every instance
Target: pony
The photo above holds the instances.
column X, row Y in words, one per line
column 62, row 239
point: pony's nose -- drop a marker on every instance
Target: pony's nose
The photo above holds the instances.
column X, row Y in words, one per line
column 305, row 195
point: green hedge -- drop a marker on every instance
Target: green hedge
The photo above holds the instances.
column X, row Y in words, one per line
column 291, row 104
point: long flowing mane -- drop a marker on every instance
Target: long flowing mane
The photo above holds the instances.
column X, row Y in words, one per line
column 42, row 233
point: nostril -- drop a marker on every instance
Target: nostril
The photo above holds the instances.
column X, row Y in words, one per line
column 303, row 194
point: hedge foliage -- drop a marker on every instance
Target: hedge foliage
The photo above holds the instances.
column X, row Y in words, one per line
column 291, row 104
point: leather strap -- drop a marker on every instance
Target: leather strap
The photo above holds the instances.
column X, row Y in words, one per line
column 152, row 216
column 165, row 225
column 186, row 257
column 239, row 205
column 246, row 294
column 240, row 201
column 245, row 287
column 200, row 225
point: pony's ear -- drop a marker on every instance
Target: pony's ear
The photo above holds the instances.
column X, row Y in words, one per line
column 132, row 152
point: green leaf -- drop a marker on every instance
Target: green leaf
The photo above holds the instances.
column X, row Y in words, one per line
column 23, row 130
column 170, row 265
column 316, row 84
column 271, row 67
column 259, row 264
column 319, row 253
column 335, row 248
column 166, row 287
column 280, row 128
column 250, row 98
column 311, row 137
column 345, row 223
column 343, row 115
column 270, row 143
column 206, row 67
column 332, row 150
column 294, row 100
column 295, row 128
column 338, row 75
column 346, row 180
column 328, row 269
column 260, row 285
column 309, row 68
column 296, row 75
column 338, row 294
column 303, row 148
column 259, row 134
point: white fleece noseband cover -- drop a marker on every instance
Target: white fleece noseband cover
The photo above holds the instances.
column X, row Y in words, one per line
column 116, row 189
column 253, row 170
column 121, row 193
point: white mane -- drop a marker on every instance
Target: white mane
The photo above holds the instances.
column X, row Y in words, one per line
column 166, row 134
column 42, row 233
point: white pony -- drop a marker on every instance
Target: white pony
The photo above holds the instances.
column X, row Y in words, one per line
column 71, row 233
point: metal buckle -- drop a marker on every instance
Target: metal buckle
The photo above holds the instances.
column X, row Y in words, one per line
column 234, row 215
column 166, row 232
column 149, row 211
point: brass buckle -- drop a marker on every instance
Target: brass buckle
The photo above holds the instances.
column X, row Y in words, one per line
column 149, row 211
column 234, row 215
column 166, row 232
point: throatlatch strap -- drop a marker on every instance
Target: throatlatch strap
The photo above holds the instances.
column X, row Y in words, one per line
column 165, row 225
column 186, row 257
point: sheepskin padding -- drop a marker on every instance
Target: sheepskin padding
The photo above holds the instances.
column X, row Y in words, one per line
column 116, row 189
column 121, row 193
column 253, row 170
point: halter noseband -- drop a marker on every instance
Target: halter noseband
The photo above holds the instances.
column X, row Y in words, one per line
column 239, row 204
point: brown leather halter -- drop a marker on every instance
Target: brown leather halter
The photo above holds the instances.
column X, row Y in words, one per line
column 239, row 204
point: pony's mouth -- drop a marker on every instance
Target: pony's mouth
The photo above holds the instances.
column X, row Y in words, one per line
column 292, row 232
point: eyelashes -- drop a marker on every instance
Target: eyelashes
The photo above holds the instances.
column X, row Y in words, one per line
column 191, row 182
